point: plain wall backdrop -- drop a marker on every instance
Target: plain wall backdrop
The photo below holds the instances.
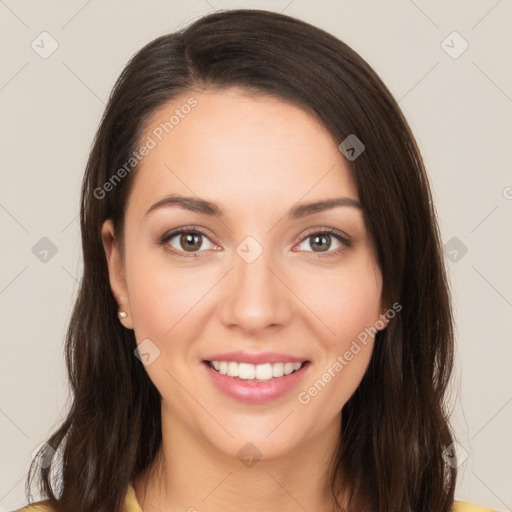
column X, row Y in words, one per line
column 446, row 62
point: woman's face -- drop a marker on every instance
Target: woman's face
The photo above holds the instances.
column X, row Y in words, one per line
column 255, row 281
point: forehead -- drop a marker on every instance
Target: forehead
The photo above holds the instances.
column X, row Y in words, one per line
column 235, row 147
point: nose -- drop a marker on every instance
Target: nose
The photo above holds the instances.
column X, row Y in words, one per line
column 255, row 295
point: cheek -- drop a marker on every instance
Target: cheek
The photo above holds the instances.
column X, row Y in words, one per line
column 347, row 305
column 165, row 301
column 345, row 302
column 161, row 296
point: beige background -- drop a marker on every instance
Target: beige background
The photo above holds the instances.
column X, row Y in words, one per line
column 460, row 110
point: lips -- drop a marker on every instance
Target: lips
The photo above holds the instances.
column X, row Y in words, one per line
column 255, row 378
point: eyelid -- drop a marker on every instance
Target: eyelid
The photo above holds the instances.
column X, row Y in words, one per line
column 331, row 231
column 191, row 227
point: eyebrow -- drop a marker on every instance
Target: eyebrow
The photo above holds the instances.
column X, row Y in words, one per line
column 205, row 207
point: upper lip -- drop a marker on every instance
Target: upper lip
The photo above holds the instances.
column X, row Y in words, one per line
column 256, row 358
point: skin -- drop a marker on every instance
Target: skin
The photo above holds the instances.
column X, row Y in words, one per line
column 256, row 157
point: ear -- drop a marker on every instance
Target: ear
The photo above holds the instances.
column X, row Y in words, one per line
column 382, row 322
column 384, row 318
column 116, row 272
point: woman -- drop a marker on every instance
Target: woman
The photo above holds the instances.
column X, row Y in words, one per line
column 264, row 320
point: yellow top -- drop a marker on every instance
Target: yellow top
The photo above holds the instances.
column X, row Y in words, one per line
column 131, row 505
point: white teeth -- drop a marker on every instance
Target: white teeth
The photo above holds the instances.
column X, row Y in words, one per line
column 277, row 369
column 264, row 371
column 288, row 368
column 246, row 371
column 260, row 372
column 232, row 370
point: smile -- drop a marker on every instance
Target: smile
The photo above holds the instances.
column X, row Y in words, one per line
column 255, row 383
column 260, row 372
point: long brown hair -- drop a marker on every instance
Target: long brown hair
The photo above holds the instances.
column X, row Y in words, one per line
column 394, row 427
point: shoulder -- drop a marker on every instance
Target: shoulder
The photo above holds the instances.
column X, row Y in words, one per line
column 131, row 504
column 464, row 506
column 45, row 506
column 40, row 506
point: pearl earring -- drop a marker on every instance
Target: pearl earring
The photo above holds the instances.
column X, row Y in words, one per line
column 122, row 314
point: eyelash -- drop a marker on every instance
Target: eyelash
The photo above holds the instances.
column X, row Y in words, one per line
column 345, row 241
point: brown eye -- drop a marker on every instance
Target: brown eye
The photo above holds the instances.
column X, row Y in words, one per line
column 182, row 241
column 321, row 241
column 190, row 241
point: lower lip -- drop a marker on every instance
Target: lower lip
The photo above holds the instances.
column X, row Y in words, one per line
column 255, row 392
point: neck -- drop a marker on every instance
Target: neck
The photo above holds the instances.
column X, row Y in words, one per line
column 192, row 474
